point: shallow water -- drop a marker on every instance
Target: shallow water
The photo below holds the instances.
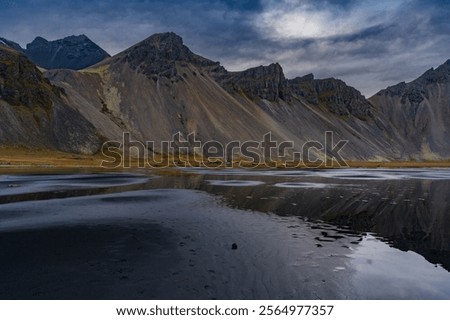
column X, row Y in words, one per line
column 300, row 234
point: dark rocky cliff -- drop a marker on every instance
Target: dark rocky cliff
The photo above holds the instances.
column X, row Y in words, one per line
column 334, row 94
column 33, row 111
column 418, row 113
column 263, row 82
column 159, row 87
column 159, row 54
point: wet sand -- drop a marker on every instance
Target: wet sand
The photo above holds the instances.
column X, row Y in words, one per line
column 125, row 236
column 158, row 244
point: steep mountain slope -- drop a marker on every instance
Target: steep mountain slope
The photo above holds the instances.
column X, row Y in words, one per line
column 159, row 87
column 334, row 94
column 73, row 52
column 419, row 114
column 305, row 119
column 32, row 112
column 11, row 44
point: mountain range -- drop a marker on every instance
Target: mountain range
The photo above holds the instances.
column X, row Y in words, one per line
column 80, row 97
column 73, row 52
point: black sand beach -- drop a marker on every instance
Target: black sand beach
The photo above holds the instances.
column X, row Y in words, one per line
column 237, row 234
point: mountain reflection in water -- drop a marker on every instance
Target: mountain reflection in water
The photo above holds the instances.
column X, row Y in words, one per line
column 409, row 209
column 360, row 228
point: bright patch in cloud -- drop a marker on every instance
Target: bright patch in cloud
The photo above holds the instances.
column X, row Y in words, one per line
column 288, row 19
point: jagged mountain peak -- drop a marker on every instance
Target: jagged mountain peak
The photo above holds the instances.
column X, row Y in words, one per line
column 72, row 52
column 332, row 93
column 274, row 69
column 416, row 91
column 184, row 92
column 158, row 54
column 418, row 112
column 307, row 77
column 164, row 41
column 38, row 40
column 74, row 39
column 160, row 46
column 438, row 75
column 262, row 82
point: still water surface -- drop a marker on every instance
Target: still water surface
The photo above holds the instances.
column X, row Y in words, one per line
column 224, row 234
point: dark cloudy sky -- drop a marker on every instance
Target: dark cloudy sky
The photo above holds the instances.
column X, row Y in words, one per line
column 369, row 44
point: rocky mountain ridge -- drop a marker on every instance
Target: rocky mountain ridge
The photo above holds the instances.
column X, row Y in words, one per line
column 33, row 112
column 73, row 52
column 334, row 94
column 159, row 87
column 418, row 112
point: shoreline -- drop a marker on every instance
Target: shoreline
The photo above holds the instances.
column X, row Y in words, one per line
column 18, row 159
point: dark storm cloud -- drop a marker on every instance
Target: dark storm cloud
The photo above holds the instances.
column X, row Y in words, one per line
column 369, row 44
